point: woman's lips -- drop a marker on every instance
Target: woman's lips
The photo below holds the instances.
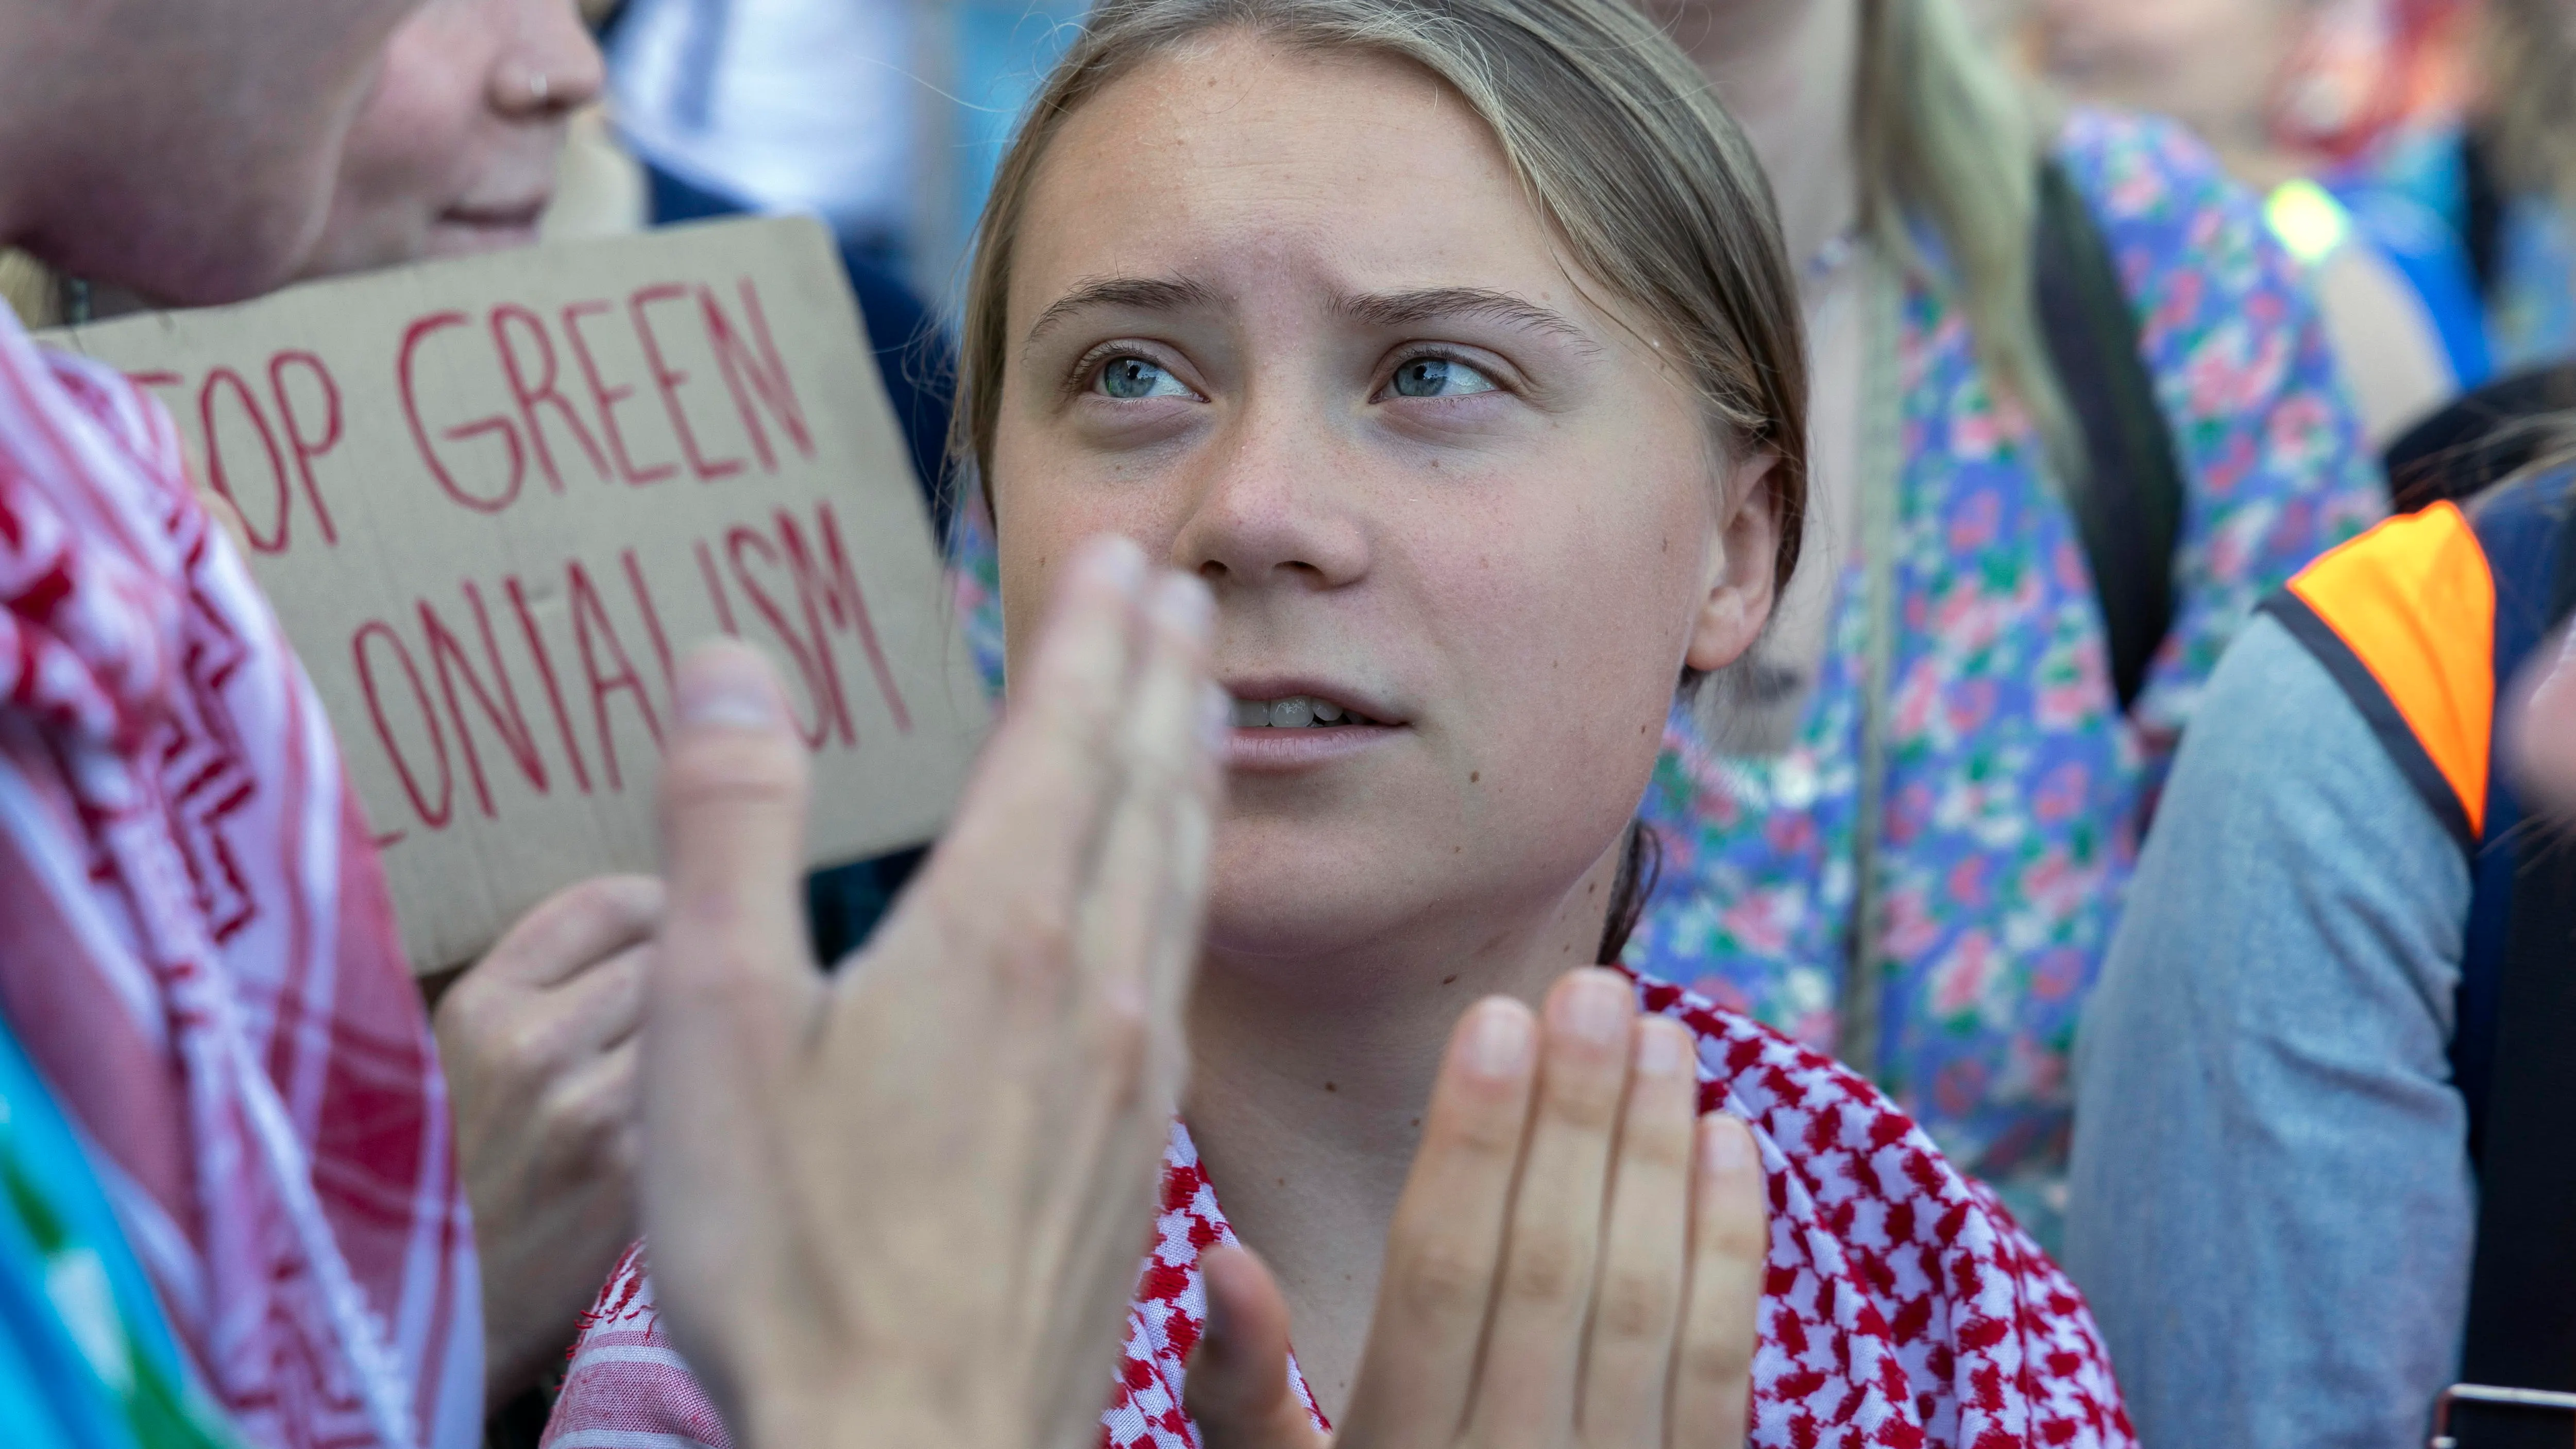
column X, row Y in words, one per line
column 1285, row 723
column 510, row 213
column 1286, row 751
column 510, row 225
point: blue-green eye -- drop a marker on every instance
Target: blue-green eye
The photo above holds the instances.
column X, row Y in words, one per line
column 1439, row 377
column 1127, row 378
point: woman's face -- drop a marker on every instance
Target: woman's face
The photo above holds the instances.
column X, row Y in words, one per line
column 2210, row 63
column 1290, row 321
column 454, row 152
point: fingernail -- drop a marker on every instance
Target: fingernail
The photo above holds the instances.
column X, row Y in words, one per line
column 1216, row 717
column 1498, row 1039
column 1116, row 560
column 1725, row 1145
column 726, row 683
column 1595, row 1008
column 1662, row 1047
column 1183, row 604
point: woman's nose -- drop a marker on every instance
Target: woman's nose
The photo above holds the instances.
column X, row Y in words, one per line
column 1280, row 501
column 551, row 66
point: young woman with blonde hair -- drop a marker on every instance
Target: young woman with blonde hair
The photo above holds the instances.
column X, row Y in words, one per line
column 1450, row 342
column 2032, row 538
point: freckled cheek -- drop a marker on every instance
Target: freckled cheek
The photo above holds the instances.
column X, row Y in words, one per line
column 1567, row 669
column 1581, row 777
column 1046, row 502
column 1579, row 722
column 415, row 133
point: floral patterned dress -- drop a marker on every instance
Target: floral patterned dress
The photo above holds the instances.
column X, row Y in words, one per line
column 2015, row 790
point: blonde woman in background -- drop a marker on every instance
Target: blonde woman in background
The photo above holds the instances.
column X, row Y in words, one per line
column 2031, row 540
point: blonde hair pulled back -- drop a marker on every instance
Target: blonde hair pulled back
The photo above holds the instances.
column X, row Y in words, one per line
column 1949, row 143
column 1616, row 136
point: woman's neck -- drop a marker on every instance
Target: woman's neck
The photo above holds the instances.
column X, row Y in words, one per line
column 1308, row 1082
column 1788, row 71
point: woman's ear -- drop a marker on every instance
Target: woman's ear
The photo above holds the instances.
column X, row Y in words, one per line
column 1738, row 594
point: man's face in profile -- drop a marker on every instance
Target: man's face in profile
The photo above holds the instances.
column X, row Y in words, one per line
column 184, row 148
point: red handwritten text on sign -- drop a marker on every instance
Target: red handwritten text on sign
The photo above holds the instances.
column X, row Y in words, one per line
column 262, row 439
column 489, row 675
column 495, row 500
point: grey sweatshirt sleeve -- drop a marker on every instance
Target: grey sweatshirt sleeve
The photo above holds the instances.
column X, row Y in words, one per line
column 2271, row 1207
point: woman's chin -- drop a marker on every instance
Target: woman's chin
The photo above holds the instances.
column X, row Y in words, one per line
column 1263, row 922
column 1282, row 894
column 474, row 239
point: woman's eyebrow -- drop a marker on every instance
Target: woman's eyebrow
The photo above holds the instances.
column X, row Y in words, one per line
column 1431, row 304
column 1135, row 294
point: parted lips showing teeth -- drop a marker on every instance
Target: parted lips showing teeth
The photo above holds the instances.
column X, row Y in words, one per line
column 1296, row 712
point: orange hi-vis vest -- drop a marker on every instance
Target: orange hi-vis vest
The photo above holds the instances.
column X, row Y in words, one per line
column 2404, row 618
column 2424, row 622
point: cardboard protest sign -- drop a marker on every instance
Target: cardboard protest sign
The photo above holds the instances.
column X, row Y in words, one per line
column 495, row 500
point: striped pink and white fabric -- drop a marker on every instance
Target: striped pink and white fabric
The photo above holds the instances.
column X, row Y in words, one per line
column 1903, row 1306
column 199, row 949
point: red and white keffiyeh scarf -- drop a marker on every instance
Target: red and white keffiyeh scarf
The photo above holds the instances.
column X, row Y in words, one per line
column 199, row 948
column 1904, row 1306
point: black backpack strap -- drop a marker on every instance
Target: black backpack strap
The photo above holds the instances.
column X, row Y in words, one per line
column 2522, row 1285
column 2128, row 505
column 2522, row 1282
column 2519, row 527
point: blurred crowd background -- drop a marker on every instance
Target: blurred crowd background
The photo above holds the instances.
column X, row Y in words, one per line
column 2418, row 153
column 2415, row 160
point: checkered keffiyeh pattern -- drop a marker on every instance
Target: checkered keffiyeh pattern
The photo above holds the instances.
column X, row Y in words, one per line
column 199, row 949
column 1904, row 1307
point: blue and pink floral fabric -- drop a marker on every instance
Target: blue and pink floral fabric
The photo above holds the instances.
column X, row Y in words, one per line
column 2015, row 790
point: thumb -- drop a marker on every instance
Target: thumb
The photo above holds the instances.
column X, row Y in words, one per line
column 1237, row 1389
column 733, row 855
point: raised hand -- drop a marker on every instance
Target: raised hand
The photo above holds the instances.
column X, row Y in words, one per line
column 538, row 1044
column 1576, row 1260
column 904, row 1205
